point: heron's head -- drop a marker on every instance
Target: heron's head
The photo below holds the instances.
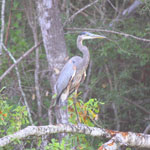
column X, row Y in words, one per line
column 88, row 35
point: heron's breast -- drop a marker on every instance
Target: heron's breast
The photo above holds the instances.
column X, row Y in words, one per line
column 77, row 78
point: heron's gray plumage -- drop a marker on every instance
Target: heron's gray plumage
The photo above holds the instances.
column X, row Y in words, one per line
column 74, row 70
column 66, row 74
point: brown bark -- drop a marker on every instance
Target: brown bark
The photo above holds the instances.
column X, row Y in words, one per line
column 55, row 48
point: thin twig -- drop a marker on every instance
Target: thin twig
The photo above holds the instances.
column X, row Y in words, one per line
column 147, row 129
column 137, row 105
column 83, row 13
column 19, row 82
column 8, row 29
column 79, row 11
column 109, row 77
column 112, row 5
column 113, row 103
column 19, row 60
column 116, row 116
column 30, row 13
column 109, row 31
column 9, row 23
column 2, row 25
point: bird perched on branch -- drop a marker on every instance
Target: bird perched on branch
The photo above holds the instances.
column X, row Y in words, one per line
column 74, row 71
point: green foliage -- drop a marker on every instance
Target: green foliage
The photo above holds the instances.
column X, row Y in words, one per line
column 57, row 146
column 87, row 111
column 12, row 118
column 71, row 44
column 146, row 8
column 77, row 141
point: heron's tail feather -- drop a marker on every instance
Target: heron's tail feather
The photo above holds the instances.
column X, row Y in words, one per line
column 57, row 100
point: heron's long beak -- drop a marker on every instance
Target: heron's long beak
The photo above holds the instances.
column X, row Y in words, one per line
column 96, row 36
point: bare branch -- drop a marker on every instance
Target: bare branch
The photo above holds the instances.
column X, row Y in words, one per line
column 113, row 103
column 2, row 25
column 147, row 129
column 9, row 24
column 31, row 16
column 117, row 138
column 79, row 11
column 19, row 60
column 19, row 82
column 126, row 139
column 51, row 129
column 132, row 8
column 109, row 1
column 109, row 31
column 109, row 76
column 83, row 14
column 137, row 105
column 126, row 12
column 117, row 121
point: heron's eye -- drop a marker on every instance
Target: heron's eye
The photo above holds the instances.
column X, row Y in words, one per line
column 83, row 33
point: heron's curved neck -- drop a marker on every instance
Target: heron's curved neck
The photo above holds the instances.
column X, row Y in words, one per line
column 84, row 50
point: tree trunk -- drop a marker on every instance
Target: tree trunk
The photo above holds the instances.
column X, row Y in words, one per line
column 53, row 36
column 55, row 47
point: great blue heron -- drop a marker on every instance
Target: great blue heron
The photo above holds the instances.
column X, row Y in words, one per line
column 74, row 71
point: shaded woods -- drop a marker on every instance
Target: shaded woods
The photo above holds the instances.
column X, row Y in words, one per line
column 113, row 100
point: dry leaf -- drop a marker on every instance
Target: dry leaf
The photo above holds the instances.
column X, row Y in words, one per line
column 33, row 96
column 56, row 70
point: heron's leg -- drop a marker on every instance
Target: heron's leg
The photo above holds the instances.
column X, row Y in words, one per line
column 74, row 102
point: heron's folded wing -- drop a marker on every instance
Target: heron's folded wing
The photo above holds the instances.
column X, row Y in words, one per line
column 65, row 76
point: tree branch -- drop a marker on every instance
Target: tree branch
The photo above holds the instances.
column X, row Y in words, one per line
column 109, row 31
column 113, row 103
column 147, row 129
column 18, row 60
column 9, row 24
column 126, row 12
column 137, row 105
column 51, row 129
column 111, row 4
column 126, row 139
column 132, row 8
column 117, row 138
column 31, row 16
column 79, row 11
column 83, row 14
column 19, row 82
column 2, row 25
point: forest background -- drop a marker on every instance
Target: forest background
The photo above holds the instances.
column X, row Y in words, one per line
column 116, row 92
